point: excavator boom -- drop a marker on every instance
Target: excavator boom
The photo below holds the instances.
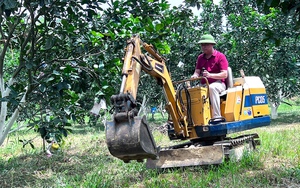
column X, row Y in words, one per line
column 128, row 136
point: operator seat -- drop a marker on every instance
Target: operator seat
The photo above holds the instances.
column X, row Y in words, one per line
column 228, row 81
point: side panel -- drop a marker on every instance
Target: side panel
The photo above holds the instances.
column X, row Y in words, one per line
column 259, row 100
column 200, row 108
column 246, row 108
column 233, row 104
column 238, row 101
column 227, row 107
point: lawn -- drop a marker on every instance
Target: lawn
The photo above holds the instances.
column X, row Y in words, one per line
column 84, row 161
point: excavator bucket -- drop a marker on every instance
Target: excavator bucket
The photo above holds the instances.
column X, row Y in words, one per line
column 131, row 140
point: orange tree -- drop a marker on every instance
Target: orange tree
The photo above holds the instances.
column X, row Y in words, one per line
column 265, row 45
column 58, row 56
column 47, row 51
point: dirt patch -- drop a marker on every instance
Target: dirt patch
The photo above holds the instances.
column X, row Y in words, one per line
column 161, row 128
column 276, row 162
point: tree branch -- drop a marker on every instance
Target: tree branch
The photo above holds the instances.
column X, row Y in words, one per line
column 6, row 44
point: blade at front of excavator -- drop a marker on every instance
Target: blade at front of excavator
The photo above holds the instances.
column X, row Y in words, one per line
column 131, row 140
column 186, row 157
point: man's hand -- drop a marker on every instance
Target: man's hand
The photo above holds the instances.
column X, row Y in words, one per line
column 194, row 76
column 206, row 74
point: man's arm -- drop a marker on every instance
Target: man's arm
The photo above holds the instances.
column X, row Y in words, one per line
column 196, row 73
column 217, row 76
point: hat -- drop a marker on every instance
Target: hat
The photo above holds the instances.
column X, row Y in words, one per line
column 209, row 39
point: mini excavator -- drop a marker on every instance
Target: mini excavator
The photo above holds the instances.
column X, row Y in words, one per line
column 244, row 106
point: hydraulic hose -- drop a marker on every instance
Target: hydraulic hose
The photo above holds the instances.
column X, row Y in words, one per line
column 188, row 102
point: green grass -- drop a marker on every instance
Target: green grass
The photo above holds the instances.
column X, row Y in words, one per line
column 85, row 161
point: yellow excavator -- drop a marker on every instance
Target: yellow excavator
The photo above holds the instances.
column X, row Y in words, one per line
column 244, row 106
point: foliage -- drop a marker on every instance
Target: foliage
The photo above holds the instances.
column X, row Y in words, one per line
column 55, row 56
column 248, row 48
column 288, row 7
column 60, row 57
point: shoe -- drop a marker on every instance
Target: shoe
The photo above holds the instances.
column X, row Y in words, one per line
column 216, row 120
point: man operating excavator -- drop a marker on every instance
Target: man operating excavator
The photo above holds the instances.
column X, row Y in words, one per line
column 129, row 137
column 213, row 65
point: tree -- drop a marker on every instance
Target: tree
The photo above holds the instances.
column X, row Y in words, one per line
column 51, row 42
column 156, row 24
column 58, row 56
column 290, row 8
column 253, row 45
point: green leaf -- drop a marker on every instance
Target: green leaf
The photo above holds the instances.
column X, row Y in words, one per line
column 50, row 79
column 42, row 88
column 259, row 2
column 68, row 111
column 159, row 27
column 68, row 69
column 49, row 43
column 64, row 132
column 56, row 73
column 100, row 93
column 62, row 85
column 97, row 34
column 10, row 4
column 43, row 132
column 73, row 117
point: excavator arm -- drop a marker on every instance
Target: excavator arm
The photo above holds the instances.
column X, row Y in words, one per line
column 128, row 136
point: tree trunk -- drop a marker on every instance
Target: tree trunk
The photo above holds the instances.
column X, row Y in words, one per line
column 5, row 126
column 274, row 113
column 143, row 109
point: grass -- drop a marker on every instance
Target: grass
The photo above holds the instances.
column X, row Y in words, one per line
column 84, row 161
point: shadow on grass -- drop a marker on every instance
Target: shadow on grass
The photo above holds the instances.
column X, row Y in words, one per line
column 286, row 118
column 275, row 177
column 84, row 129
column 79, row 169
column 239, row 174
column 38, row 170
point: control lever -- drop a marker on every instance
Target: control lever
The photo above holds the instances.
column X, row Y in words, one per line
column 203, row 69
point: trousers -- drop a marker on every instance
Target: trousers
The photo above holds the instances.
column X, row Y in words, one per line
column 215, row 89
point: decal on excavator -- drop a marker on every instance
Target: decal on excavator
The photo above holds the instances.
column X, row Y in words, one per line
column 159, row 67
column 255, row 99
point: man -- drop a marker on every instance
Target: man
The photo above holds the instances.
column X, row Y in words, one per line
column 214, row 65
